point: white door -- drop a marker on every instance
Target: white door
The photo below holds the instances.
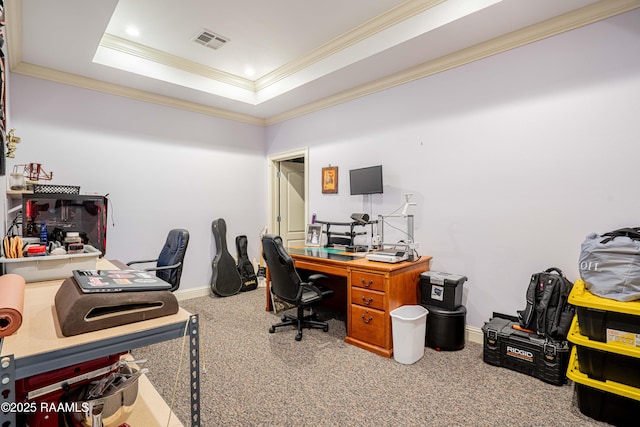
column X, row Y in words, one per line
column 291, row 204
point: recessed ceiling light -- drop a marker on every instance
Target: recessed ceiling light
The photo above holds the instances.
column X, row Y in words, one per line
column 132, row 31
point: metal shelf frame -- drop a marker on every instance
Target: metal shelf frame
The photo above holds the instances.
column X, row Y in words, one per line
column 13, row 369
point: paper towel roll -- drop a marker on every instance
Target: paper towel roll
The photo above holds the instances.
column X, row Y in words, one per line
column 11, row 303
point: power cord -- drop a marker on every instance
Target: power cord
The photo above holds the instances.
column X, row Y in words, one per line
column 398, row 229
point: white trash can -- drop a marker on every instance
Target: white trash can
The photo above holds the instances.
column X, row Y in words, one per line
column 409, row 327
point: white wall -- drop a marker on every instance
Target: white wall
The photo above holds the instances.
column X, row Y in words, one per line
column 163, row 168
column 512, row 159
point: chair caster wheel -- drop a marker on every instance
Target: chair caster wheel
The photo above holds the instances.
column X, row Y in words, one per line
column 298, row 336
column 272, row 330
column 326, row 328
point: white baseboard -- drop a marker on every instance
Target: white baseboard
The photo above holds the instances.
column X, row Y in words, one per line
column 205, row 291
column 192, row 293
column 474, row 335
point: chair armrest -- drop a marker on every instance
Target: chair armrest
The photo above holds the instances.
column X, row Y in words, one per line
column 320, row 290
column 309, row 286
column 142, row 261
column 315, row 277
column 164, row 267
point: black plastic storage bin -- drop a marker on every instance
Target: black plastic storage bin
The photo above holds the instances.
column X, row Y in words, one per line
column 608, row 407
column 523, row 352
column 604, row 319
column 601, row 361
column 441, row 289
column 445, row 328
column 606, row 401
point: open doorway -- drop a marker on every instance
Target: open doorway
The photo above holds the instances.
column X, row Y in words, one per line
column 288, row 189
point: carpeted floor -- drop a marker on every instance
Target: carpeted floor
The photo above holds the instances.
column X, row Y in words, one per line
column 253, row 378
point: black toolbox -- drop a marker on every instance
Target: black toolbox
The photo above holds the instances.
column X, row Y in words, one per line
column 520, row 351
column 441, row 289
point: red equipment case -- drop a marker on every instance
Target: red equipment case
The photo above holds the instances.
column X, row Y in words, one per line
column 46, row 389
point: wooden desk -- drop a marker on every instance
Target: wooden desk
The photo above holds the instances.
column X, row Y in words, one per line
column 38, row 346
column 374, row 289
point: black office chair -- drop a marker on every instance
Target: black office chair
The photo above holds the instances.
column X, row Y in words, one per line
column 171, row 259
column 287, row 285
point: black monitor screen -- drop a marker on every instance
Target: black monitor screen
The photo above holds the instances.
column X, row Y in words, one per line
column 366, row 180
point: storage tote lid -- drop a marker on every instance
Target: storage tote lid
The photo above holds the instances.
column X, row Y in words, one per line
column 497, row 324
column 630, row 349
column 580, row 296
column 444, row 312
column 439, row 278
column 575, row 375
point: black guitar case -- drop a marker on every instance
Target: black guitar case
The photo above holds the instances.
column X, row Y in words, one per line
column 245, row 268
column 225, row 280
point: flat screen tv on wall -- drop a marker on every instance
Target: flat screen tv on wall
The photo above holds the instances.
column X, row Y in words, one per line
column 366, row 180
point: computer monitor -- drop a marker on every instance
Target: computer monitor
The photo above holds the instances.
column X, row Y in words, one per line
column 366, row 180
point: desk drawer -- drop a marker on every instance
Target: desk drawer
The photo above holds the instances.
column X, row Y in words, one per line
column 365, row 280
column 368, row 324
column 367, row 298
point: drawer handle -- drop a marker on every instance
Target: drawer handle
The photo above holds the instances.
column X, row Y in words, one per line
column 365, row 302
column 366, row 285
column 365, row 320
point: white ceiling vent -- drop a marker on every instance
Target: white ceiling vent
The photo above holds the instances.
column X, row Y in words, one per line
column 210, row 39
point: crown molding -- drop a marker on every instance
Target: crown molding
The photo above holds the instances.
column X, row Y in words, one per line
column 587, row 15
column 386, row 20
column 109, row 41
column 13, row 18
column 114, row 89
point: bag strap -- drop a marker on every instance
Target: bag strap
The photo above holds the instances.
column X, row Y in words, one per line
column 526, row 316
column 543, row 304
column 556, row 269
column 566, row 285
column 630, row 232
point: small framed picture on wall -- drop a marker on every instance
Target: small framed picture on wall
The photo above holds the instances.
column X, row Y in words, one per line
column 314, row 235
column 330, row 179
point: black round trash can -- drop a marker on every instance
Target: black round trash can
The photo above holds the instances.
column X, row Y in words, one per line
column 445, row 328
